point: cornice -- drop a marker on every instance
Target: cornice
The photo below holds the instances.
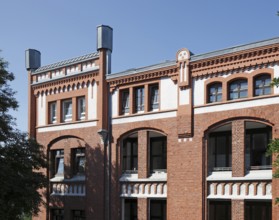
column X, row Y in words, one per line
column 239, row 60
column 65, row 81
column 148, row 75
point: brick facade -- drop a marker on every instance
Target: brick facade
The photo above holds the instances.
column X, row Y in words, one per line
column 189, row 152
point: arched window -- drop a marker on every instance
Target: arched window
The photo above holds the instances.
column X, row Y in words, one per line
column 214, row 92
column 238, row 89
column 262, row 85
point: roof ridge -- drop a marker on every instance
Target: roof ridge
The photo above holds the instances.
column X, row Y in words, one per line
column 66, row 62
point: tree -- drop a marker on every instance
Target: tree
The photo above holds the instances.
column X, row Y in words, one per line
column 273, row 150
column 273, row 146
column 21, row 159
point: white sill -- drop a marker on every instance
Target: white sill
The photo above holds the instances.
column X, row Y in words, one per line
column 57, row 179
column 252, row 175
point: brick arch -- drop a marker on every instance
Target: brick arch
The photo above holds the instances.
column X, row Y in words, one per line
column 230, row 120
column 258, row 72
column 132, row 131
column 61, row 138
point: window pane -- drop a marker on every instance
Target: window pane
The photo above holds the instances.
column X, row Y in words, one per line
column 154, row 97
column 130, row 154
column 131, row 212
column 67, row 110
column 219, row 210
column 255, row 210
column 158, row 210
column 139, row 99
column 81, row 108
column 158, row 153
column 60, row 168
column 125, row 101
column 262, row 85
column 256, row 145
column 215, row 92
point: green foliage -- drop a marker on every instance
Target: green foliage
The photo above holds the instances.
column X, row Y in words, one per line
column 275, row 82
column 273, row 149
column 21, row 159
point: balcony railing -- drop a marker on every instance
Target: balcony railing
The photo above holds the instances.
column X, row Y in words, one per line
column 68, row 189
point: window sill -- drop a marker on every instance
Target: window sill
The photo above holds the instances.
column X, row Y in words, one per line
column 57, row 179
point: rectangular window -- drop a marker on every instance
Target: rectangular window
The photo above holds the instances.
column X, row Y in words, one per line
column 79, row 215
column 67, row 110
column 158, row 209
column 255, row 210
column 130, row 155
column 58, row 162
column 81, row 108
column 256, row 146
column 139, row 99
column 125, row 101
column 131, row 209
column 52, row 113
column 79, row 161
column 57, row 214
column 154, row 97
column 158, row 154
column 219, row 210
column 220, row 151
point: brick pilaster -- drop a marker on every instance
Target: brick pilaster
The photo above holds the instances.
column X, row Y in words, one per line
column 238, row 148
column 142, row 154
column 142, row 208
column 238, row 209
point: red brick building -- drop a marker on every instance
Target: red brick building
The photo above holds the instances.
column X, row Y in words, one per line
column 183, row 139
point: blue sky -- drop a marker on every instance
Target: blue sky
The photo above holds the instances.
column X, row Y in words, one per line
column 145, row 32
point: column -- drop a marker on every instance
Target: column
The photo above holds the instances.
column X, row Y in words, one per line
column 142, row 208
column 238, row 207
column 238, row 148
column 143, row 154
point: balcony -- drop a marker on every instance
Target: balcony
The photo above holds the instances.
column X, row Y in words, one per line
column 68, row 189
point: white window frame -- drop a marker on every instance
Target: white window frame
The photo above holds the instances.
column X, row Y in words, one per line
column 81, row 108
column 52, row 115
column 67, row 112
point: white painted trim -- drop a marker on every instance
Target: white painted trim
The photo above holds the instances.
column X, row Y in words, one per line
column 237, row 105
column 144, row 117
column 67, row 126
column 143, row 196
column 155, row 177
column 266, row 197
column 252, row 175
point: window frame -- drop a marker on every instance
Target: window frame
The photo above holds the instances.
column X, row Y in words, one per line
column 215, row 94
column 262, row 77
column 139, row 99
column 125, row 99
column 81, row 108
column 163, row 209
column 133, row 156
column 225, row 204
column 239, row 90
column 77, row 155
column 228, row 150
column 162, row 156
column 59, row 215
column 80, row 216
column 133, row 210
column 250, row 133
column 66, row 117
column 154, row 97
column 57, row 155
column 53, row 112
